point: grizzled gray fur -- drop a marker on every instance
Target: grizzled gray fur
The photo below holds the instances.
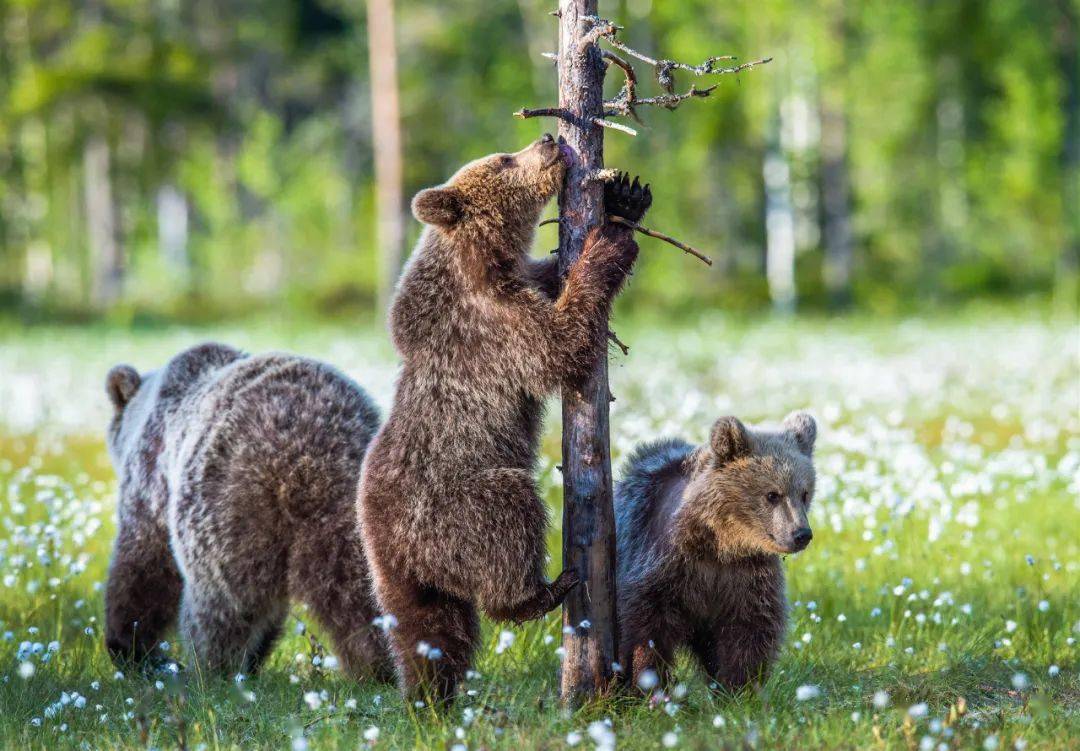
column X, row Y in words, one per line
column 700, row 532
column 237, row 481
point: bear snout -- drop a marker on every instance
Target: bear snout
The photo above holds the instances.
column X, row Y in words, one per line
column 800, row 538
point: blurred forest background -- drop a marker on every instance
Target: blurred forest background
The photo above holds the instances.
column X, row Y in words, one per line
column 193, row 159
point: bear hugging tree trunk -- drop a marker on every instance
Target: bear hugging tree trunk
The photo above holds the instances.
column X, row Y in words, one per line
column 450, row 514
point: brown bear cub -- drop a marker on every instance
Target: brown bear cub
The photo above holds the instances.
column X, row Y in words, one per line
column 451, row 517
column 700, row 533
column 238, row 481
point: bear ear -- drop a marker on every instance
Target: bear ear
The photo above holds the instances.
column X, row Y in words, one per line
column 121, row 384
column 801, row 427
column 442, row 207
column 729, row 439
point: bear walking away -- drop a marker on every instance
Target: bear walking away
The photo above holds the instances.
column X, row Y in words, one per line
column 237, row 482
column 451, row 517
column 700, row 533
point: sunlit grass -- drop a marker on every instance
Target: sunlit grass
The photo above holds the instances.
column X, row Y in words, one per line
column 945, row 568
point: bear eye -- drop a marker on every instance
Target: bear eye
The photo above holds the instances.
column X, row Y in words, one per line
column 805, row 497
column 773, row 497
column 506, row 161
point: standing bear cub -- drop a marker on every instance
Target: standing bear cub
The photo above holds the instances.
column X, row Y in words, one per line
column 237, row 480
column 700, row 532
column 451, row 517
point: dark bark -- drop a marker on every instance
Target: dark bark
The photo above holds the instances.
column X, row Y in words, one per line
column 1067, row 282
column 588, row 518
column 836, row 203
column 835, row 175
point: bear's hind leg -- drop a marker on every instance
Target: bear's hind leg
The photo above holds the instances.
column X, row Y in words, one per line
column 328, row 572
column 143, row 592
column 500, row 529
column 227, row 637
column 433, row 639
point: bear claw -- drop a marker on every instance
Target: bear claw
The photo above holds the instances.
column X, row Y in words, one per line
column 629, row 200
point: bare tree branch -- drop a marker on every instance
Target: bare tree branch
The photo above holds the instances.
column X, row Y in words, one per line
column 562, row 114
column 570, row 117
column 614, row 126
column 618, row 342
column 625, row 102
column 661, row 236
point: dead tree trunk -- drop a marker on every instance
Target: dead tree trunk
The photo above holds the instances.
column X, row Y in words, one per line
column 589, row 626
column 386, row 140
column 588, row 519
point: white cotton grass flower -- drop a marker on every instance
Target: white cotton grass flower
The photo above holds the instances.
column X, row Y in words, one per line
column 881, row 699
column 648, row 680
column 26, row 670
column 573, row 738
column 1010, row 626
column 1020, row 681
column 807, row 692
column 602, row 735
column 385, row 622
column 1054, row 671
column 506, row 640
column 371, row 734
column 312, row 699
column 670, row 739
column 918, row 711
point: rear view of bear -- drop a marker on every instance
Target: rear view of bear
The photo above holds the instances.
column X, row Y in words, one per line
column 451, row 517
column 700, row 533
column 237, row 482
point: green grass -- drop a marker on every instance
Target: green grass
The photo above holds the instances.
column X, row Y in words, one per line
column 947, row 547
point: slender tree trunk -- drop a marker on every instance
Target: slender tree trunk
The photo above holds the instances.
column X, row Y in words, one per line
column 172, row 230
column 107, row 260
column 836, row 202
column 588, row 519
column 779, row 223
column 1067, row 282
column 386, row 139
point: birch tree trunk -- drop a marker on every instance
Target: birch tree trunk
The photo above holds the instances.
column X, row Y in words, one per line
column 107, row 261
column 386, row 140
column 779, row 222
column 588, row 518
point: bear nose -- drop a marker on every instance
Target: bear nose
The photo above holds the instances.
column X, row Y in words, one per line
column 802, row 537
column 547, row 138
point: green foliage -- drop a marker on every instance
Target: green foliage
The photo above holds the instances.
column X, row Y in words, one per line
column 956, row 118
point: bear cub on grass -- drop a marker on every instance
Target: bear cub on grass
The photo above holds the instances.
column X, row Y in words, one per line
column 451, row 517
column 238, row 480
column 700, row 532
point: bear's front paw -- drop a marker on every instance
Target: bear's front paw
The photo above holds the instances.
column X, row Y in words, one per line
column 625, row 199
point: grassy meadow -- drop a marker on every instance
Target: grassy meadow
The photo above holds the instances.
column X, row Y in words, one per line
column 938, row 606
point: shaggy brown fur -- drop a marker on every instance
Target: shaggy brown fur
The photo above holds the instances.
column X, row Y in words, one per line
column 237, row 485
column 450, row 513
column 700, row 534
